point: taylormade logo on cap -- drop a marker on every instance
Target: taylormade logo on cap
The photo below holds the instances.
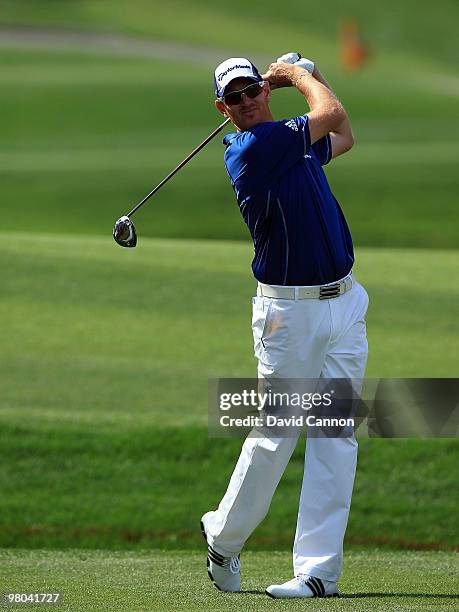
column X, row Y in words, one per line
column 222, row 74
column 233, row 68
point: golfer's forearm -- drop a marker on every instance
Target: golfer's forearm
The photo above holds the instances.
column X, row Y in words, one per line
column 343, row 128
column 322, row 101
column 319, row 77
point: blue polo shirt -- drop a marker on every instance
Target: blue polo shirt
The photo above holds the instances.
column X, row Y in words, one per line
column 298, row 229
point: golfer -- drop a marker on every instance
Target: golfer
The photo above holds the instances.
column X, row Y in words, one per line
column 308, row 315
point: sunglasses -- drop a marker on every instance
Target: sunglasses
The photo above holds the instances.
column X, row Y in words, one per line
column 235, row 97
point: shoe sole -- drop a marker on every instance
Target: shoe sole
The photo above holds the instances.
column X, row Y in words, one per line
column 209, row 573
column 313, row 597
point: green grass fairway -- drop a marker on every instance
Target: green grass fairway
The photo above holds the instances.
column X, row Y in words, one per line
column 103, row 386
column 83, row 309
column 103, row 580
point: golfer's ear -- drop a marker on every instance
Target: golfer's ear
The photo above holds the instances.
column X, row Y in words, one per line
column 220, row 107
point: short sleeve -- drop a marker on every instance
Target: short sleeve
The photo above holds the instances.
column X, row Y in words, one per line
column 261, row 155
column 323, row 150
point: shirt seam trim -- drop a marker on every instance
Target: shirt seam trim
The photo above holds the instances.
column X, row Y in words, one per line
column 267, row 204
column 286, row 239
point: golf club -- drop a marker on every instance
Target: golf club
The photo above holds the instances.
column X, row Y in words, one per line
column 124, row 231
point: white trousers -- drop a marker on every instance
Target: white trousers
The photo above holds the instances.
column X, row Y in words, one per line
column 308, row 338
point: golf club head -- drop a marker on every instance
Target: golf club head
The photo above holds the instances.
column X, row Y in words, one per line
column 124, row 232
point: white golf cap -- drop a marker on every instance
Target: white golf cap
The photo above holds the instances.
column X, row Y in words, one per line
column 233, row 68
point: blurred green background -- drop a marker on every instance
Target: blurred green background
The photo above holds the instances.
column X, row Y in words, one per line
column 106, row 352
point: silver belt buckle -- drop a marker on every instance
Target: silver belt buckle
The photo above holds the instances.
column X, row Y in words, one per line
column 329, row 292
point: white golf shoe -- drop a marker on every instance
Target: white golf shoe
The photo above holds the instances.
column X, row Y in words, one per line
column 225, row 572
column 303, row 586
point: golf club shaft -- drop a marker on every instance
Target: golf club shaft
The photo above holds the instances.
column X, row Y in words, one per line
column 181, row 164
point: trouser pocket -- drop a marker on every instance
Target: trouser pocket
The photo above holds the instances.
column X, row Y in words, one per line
column 260, row 311
column 270, row 325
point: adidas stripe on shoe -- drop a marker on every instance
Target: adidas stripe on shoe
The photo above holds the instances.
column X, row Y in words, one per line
column 303, row 586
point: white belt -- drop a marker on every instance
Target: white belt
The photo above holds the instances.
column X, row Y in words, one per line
column 320, row 292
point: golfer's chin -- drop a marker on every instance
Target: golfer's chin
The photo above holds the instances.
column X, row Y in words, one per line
column 248, row 119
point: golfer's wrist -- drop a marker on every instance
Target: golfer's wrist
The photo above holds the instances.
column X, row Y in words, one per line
column 299, row 74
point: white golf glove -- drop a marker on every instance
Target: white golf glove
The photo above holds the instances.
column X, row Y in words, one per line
column 295, row 58
column 288, row 58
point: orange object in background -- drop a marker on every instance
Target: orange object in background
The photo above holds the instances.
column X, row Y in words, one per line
column 354, row 52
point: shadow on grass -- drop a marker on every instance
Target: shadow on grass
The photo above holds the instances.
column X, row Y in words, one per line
column 363, row 595
column 414, row 595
